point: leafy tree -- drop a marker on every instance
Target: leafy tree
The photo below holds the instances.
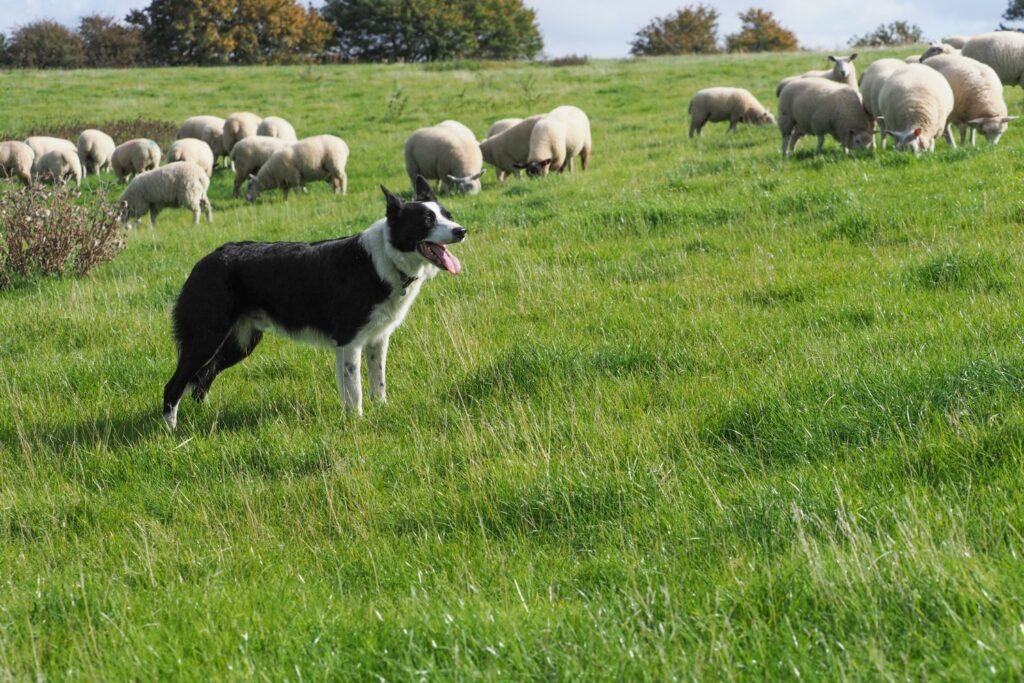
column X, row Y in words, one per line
column 895, row 34
column 692, row 29
column 45, row 45
column 760, row 32
column 108, row 43
column 431, row 30
column 1014, row 11
column 230, row 31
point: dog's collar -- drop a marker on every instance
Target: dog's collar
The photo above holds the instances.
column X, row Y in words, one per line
column 406, row 279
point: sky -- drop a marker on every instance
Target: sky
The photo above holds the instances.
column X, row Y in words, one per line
column 603, row 28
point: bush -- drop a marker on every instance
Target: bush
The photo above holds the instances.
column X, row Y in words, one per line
column 896, row 34
column 570, row 60
column 760, row 32
column 45, row 45
column 108, row 43
column 161, row 132
column 692, row 29
column 49, row 232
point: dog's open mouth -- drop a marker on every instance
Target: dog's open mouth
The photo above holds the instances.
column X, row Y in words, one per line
column 440, row 257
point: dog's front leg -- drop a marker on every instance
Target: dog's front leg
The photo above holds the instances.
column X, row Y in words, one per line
column 376, row 359
column 346, row 370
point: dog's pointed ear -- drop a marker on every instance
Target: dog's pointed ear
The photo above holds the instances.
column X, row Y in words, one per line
column 395, row 202
column 424, row 193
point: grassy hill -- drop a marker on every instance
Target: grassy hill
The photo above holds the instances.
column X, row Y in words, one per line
column 698, row 413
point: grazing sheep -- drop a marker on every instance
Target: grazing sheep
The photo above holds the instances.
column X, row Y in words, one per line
column 276, row 127
column 509, row 149
column 818, row 106
column 938, row 49
column 915, row 103
column 957, row 41
column 238, row 126
column 871, row 82
column 181, row 184
column 57, row 166
column 249, row 155
column 842, row 71
column 444, row 154
column 501, row 125
column 557, row 139
column 321, row 157
column 1001, row 50
column 734, row 105
column 462, row 128
column 912, row 59
column 191, row 149
column 16, row 160
column 134, row 157
column 209, row 129
column 41, row 144
column 977, row 96
column 94, row 151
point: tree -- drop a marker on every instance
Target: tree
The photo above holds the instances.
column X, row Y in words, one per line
column 431, row 30
column 108, row 43
column 892, row 35
column 45, row 45
column 760, row 32
column 692, row 29
column 1014, row 11
column 230, row 31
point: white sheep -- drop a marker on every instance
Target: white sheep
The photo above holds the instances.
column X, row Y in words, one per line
column 238, row 126
column 956, row 41
column 321, row 157
column 1001, row 50
column 194, row 150
column 557, row 139
column 276, row 127
column 938, row 49
column 915, row 104
column 734, row 105
column 871, row 82
column 181, row 184
column 94, row 151
column 501, row 125
column 462, row 128
column 249, row 155
column 42, row 144
column 16, row 160
column 842, row 71
column 58, row 165
column 447, row 155
column 134, row 157
column 209, row 129
column 977, row 96
column 821, row 107
column 508, row 150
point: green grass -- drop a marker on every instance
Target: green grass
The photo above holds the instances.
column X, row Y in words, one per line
column 696, row 414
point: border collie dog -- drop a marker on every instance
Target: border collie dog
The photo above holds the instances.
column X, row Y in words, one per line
column 348, row 294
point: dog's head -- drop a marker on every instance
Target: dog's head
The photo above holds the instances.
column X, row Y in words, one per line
column 423, row 226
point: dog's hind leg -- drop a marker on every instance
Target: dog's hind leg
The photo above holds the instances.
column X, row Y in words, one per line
column 194, row 353
column 234, row 350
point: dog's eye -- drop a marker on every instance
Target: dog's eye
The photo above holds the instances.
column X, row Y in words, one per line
column 431, row 219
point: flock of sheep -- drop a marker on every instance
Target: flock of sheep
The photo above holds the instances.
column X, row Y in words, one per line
column 267, row 154
column 957, row 82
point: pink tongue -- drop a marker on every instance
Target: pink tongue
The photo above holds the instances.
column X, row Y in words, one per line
column 450, row 263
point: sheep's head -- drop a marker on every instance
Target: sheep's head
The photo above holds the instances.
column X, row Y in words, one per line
column 536, row 169
column 914, row 139
column 860, row 139
column 124, row 213
column 843, row 69
column 469, row 184
column 252, row 189
column 761, row 117
column 993, row 128
column 938, row 49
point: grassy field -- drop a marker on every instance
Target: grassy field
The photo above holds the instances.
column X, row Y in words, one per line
column 697, row 414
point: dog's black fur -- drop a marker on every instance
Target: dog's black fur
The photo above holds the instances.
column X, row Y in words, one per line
column 329, row 288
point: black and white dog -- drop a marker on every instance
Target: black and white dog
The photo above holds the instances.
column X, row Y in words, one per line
column 348, row 294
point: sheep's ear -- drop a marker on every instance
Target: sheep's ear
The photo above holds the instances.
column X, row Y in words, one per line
column 976, row 123
column 424, row 193
column 852, row 57
column 831, row 58
column 1008, row 119
column 918, row 132
column 453, row 178
column 478, row 175
column 880, row 120
column 546, row 162
column 395, row 203
column 519, row 166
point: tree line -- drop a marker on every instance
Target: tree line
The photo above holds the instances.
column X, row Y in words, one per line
column 218, row 32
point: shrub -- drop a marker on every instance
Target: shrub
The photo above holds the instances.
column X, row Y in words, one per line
column 45, row 45
column 570, row 60
column 692, row 29
column 109, row 43
column 895, row 34
column 161, row 132
column 760, row 32
column 49, row 232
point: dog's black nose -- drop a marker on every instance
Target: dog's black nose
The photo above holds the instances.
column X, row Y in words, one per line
column 460, row 233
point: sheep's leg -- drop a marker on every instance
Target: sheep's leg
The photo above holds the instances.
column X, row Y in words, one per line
column 285, row 188
column 974, row 133
column 153, row 211
column 196, row 214
column 785, row 145
column 346, row 370
column 208, row 207
column 948, row 134
column 502, row 176
column 343, row 177
column 821, row 144
column 732, row 125
column 693, row 128
column 585, row 157
column 963, row 134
